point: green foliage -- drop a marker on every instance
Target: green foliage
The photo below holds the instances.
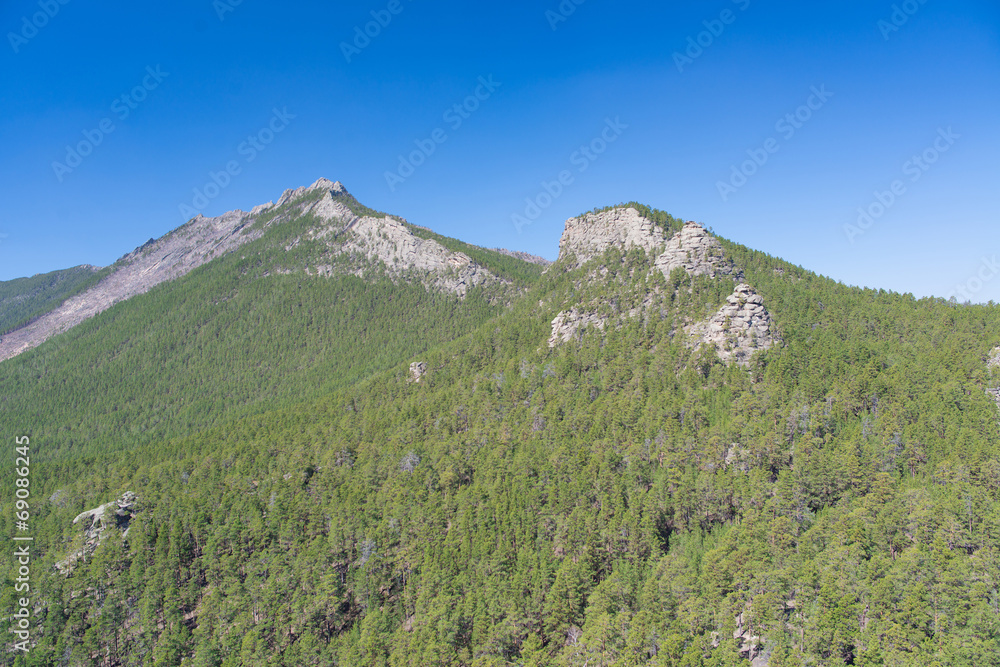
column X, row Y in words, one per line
column 357, row 208
column 24, row 299
column 616, row 500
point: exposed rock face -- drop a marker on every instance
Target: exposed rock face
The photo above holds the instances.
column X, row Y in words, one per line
column 524, row 256
column 592, row 234
column 386, row 244
column 696, row 251
column 738, row 329
column 417, row 370
column 97, row 525
column 692, row 248
column 993, row 362
column 199, row 241
column 321, row 184
column 389, row 242
column 567, row 323
column 750, row 644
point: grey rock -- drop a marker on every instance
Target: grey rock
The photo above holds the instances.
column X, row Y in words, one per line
column 593, row 234
column 417, row 371
column 692, row 248
column 696, row 251
column 523, row 256
column 737, row 330
column 993, row 362
column 567, row 323
column 97, row 525
column 995, row 394
column 388, row 242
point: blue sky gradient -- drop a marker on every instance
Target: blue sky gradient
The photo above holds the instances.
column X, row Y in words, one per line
column 686, row 116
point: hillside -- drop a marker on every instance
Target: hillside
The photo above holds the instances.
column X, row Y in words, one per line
column 666, row 449
column 23, row 299
column 332, row 227
column 315, row 299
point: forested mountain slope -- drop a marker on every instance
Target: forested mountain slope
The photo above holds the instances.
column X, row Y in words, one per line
column 668, row 449
column 23, row 299
column 330, row 223
column 289, row 317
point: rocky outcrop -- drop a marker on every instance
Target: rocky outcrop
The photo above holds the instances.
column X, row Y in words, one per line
column 696, row 251
column 384, row 243
column 97, row 525
column 693, row 248
column 524, row 256
column 750, row 643
column 592, row 234
column 417, row 370
column 387, row 241
column 993, row 363
column 738, row 329
column 994, row 393
column 321, row 185
column 567, row 323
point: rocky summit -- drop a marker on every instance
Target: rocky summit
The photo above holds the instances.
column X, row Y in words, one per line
column 736, row 330
column 592, row 234
column 371, row 244
column 696, row 251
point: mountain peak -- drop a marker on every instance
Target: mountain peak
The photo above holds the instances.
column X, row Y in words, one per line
column 592, row 234
column 329, row 186
column 323, row 184
column 695, row 250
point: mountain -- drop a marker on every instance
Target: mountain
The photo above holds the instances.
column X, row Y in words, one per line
column 317, row 297
column 351, row 441
column 23, row 299
column 347, row 229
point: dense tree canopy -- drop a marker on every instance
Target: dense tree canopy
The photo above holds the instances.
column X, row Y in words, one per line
column 618, row 500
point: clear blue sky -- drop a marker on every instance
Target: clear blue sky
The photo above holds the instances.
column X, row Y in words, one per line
column 895, row 94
